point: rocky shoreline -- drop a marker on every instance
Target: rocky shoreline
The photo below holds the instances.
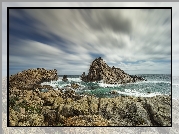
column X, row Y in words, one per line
column 29, row 106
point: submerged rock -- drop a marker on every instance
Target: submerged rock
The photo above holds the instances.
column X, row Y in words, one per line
column 113, row 92
column 75, row 86
column 99, row 70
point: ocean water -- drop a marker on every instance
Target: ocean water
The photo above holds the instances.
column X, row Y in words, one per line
column 156, row 84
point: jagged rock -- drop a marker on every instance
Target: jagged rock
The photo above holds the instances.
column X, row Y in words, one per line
column 160, row 113
column 99, row 70
column 83, row 75
column 74, row 85
column 57, row 102
column 86, row 120
column 50, row 116
column 31, row 78
column 113, row 92
column 120, row 111
column 64, row 78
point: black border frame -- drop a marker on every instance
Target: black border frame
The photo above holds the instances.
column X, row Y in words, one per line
column 8, row 8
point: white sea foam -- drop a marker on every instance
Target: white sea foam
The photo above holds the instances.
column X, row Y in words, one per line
column 130, row 92
column 139, row 82
column 133, row 92
column 61, row 84
column 108, row 85
column 74, row 79
column 60, row 78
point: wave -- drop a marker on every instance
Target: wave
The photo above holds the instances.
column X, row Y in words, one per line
column 59, row 83
column 70, row 79
column 108, row 85
column 153, row 82
column 135, row 93
column 139, row 91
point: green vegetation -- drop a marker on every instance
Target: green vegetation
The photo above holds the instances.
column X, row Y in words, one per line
column 30, row 109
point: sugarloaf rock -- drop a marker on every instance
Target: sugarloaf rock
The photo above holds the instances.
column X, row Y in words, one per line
column 99, row 70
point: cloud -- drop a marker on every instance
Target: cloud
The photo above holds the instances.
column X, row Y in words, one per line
column 106, row 19
column 32, row 54
column 77, row 36
column 146, row 67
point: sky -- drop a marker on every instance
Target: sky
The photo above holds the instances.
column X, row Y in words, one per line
column 136, row 40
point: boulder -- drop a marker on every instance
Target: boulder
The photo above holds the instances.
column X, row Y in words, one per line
column 65, row 78
column 75, row 86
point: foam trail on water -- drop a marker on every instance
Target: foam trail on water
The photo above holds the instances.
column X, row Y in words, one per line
column 61, row 84
column 138, row 94
column 108, row 85
column 152, row 82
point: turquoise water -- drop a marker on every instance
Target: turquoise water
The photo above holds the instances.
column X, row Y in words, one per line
column 156, row 84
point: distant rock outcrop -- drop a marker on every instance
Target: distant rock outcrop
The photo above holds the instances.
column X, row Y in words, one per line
column 99, row 70
column 64, row 78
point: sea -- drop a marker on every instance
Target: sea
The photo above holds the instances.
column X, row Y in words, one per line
column 156, row 84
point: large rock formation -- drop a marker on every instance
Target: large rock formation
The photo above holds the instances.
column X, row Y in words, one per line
column 28, row 105
column 99, row 70
column 27, row 79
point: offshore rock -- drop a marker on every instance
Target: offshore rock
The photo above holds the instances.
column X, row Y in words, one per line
column 99, row 70
column 65, row 78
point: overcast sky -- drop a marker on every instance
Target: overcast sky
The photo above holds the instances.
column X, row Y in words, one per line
column 135, row 40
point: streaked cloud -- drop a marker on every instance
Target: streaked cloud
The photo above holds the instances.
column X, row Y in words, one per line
column 70, row 39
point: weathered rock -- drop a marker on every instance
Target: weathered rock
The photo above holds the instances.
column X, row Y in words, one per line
column 113, row 92
column 99, row 70
column 159, row 110
column 50, row 116
column 57, row 102
column 31, row 78
column 75, row 86
column 86, row 120
column 64, row 78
